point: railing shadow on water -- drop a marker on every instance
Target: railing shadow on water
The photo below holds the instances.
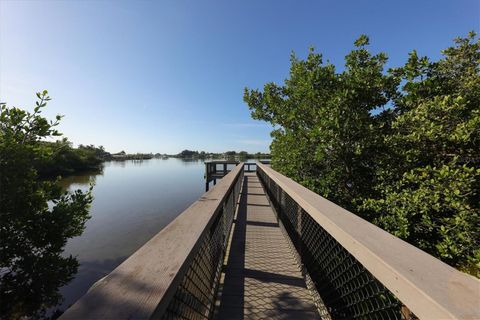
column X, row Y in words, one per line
column 88, row 273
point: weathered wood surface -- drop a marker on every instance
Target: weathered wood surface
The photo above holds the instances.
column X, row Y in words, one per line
column 142, row 286
column 428, row 287
column 261, row 279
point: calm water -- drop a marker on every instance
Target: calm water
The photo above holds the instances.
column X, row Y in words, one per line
column 133, row 201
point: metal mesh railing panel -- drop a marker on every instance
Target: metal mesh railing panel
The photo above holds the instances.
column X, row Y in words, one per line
column 347, row 289
column 196, row 294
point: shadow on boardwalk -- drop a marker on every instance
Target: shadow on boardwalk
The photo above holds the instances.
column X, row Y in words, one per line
column 261, row 279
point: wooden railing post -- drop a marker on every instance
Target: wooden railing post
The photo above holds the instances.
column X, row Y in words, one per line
column 207, row 175
column 299, row 230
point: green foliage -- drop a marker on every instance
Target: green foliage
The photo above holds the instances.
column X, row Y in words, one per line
column 36, row 217
column 325, row 127
column 232, row 155
column 428, row 192
column 433, row 209
column 61, row 159
column 401, row 148
column 243, row 155
column 188, row 154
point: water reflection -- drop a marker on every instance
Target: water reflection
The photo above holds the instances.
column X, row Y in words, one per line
column 188, row 162
column 133, row 200
column 81, row 180
column 89, row 272
column 137, row 162
column 32, row 289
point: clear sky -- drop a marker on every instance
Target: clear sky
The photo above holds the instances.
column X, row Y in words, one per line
column 163, row 76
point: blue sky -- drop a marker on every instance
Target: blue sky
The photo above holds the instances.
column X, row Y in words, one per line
column 163, row 76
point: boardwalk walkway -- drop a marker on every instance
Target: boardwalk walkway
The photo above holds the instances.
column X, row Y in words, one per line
column 261, row 279
column 359, row 270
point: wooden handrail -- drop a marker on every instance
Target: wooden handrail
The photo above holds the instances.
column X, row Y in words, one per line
column 144, row 284
column 430, row 288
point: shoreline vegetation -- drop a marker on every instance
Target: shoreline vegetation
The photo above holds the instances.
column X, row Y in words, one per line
column 186, row 154
column 38, row 215
column 62, row 159
column 228, row 155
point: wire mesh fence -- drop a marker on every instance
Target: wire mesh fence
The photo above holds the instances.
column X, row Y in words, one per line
column 195, row 296
column 347, row 289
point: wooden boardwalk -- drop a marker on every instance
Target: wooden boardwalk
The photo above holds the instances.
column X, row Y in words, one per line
column 261, row 279
column 360, row 267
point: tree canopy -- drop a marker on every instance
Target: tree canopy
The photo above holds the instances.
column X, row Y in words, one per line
column 400, row 147
column 36, row 216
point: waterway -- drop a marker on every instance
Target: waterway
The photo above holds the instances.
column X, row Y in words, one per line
column 133, row 200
